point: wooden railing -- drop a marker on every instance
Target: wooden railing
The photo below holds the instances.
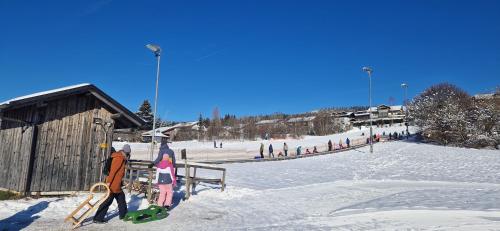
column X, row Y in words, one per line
column 191, row 181
column 137, row 169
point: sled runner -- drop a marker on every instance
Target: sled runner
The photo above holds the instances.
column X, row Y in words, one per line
column 91, row 207
column 152, row 213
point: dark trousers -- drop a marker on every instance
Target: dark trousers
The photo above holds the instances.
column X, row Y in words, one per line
column 103, row 209
column 286, row 152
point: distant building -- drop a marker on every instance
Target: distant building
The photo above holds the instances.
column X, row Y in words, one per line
column 301, row 125
column 381, row 115
column 177, row 132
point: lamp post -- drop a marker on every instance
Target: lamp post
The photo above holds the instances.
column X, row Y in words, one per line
column 405, row 103
column 157, row 51
column 369, row 71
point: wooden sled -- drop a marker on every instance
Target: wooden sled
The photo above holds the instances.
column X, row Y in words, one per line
column 91, row 207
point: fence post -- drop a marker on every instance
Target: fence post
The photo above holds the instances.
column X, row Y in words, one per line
column 223, row 180
column 187, row 173
column 150, row 190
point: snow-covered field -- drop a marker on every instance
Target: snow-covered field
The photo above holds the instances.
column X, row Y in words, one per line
column 198, row 151
column 401, row 186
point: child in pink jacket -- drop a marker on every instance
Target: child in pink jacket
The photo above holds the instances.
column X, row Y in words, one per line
column 165, row 176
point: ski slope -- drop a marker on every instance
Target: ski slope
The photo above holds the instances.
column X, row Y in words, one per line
column 401, row 186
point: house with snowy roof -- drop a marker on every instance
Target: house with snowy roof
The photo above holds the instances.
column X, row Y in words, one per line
column 177, row 132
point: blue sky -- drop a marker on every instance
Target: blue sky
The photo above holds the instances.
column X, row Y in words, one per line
column 248, row 57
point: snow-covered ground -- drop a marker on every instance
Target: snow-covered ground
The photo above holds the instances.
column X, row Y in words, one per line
column 401, row 186
column 231, row 149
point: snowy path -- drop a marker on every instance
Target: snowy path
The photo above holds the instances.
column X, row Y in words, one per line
column 401, row 186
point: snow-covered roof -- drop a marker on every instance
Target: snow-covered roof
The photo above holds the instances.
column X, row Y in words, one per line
column 158, row 134
column 362, row 114
column 267, row 122
column 45, row 93
column 396, row 107
column 301, row 119
column 126, row 118
column 186, row 124
column 165, row 129
column 158, row 130
column 347, row 113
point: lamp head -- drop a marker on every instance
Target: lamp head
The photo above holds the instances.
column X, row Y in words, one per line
column 369, row 70
column 403, row 85
column 154, row 48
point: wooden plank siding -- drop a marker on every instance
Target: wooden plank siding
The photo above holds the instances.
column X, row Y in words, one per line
column 67, row 154
column 15, row 147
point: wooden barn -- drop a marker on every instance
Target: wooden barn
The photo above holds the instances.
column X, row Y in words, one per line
column 57, row 141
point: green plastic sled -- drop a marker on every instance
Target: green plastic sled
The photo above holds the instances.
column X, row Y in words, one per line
column 152, row 213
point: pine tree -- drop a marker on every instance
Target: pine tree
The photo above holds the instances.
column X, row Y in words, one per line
column 146, row 114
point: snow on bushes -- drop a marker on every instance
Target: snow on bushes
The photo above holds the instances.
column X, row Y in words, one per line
column 449, row 116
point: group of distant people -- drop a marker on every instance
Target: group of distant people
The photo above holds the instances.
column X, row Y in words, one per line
column 392, row 136
column 215, row 144
column 284, row 153
column 331, row 145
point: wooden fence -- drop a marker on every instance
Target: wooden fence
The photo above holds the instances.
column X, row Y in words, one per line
column 139, row 176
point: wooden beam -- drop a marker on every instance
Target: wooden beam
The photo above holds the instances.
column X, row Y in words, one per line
column 15, row 120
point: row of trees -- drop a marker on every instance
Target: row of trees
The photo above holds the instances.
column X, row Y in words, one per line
column 448, row 115
column 231, row 127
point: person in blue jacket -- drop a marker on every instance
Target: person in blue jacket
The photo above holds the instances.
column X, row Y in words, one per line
column 348, row 142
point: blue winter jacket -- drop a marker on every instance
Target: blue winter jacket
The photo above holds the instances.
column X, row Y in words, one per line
column 270, row 148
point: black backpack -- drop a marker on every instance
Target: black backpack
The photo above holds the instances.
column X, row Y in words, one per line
column 107, row 166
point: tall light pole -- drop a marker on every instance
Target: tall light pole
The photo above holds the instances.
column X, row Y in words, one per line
column 157, row 51
column 369, row 71
column 405, row 103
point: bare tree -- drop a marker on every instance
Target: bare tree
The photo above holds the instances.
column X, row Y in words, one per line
column 215, row 124
column 323, row 123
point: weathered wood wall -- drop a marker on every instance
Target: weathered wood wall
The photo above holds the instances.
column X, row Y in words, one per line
column 15, row 148
column 67, row 154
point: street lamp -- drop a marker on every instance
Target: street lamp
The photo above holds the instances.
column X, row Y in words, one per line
column 156, row 50
column 405, row 103
column 369, row 71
